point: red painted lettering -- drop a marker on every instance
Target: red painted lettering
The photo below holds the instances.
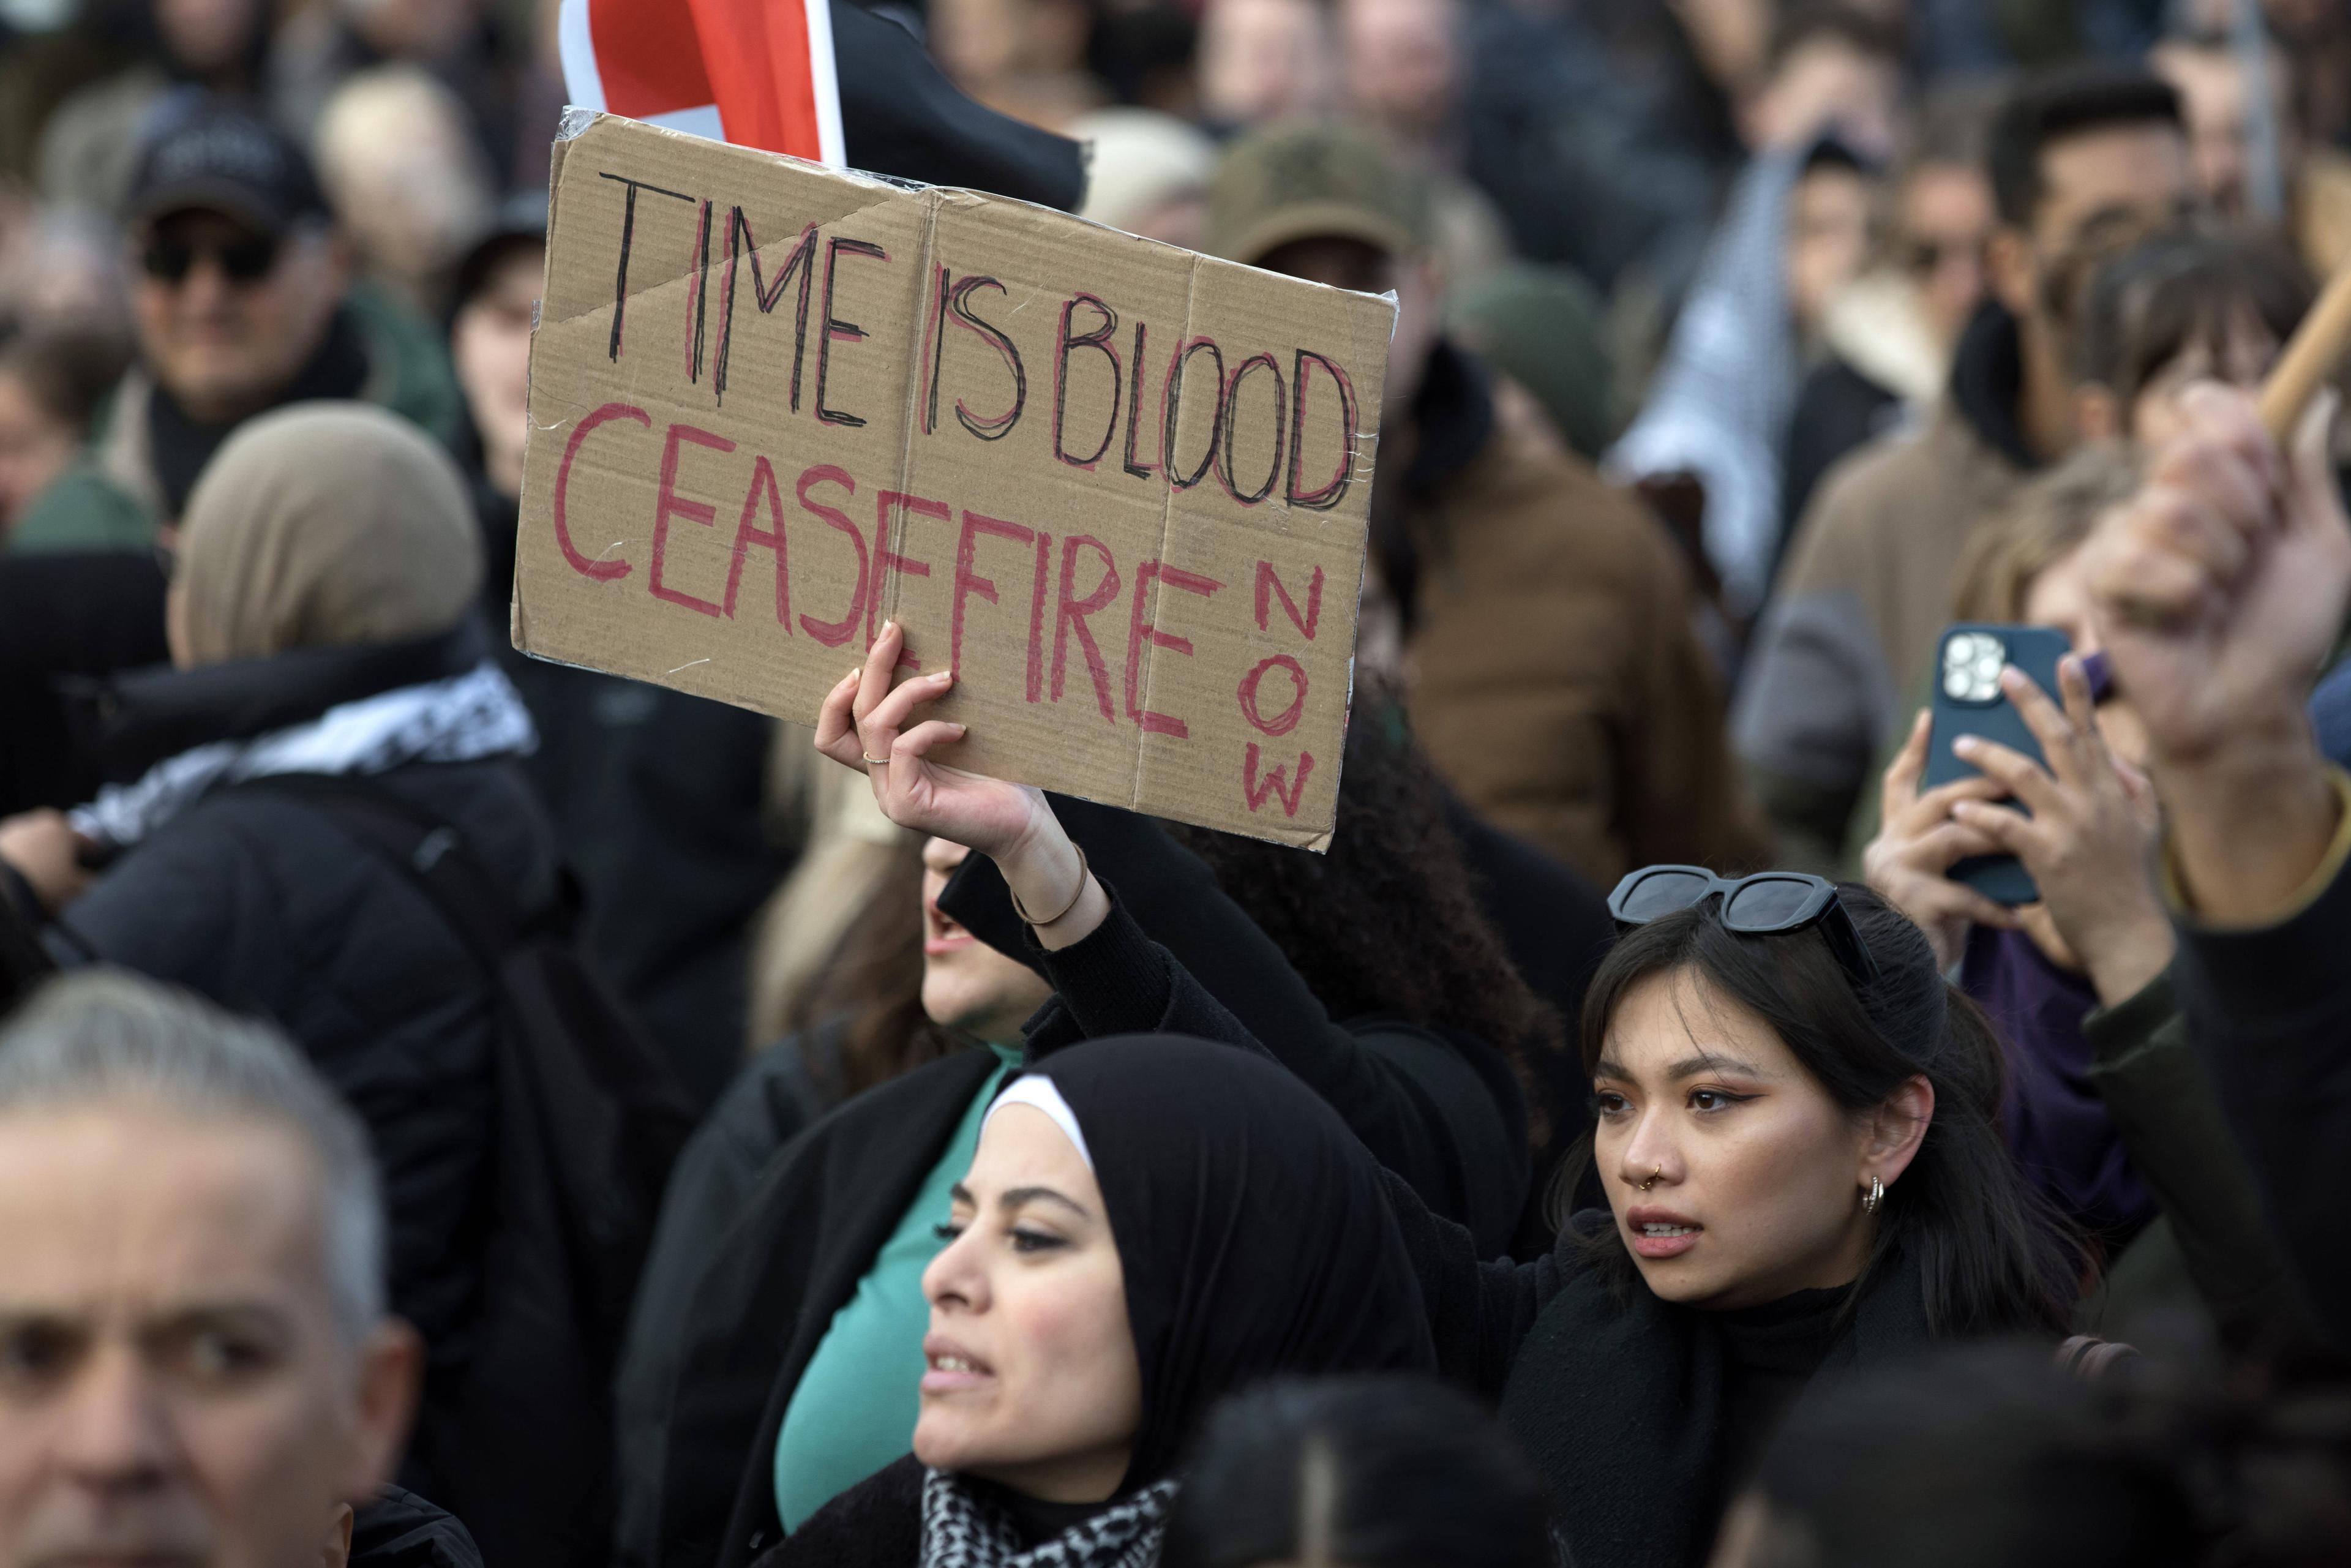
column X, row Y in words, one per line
column 1138, row 633
column 601, row 570
column 887, row 560
column 834, row 633
column 968, row 583
column 1267, row 581
column 669, row 502
column 1037, row 617
column 1287, row 720
column 1275, row 783
column 1071, row 612
column 762, row 483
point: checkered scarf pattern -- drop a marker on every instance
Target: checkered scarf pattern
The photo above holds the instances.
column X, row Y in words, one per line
column 961, row 1530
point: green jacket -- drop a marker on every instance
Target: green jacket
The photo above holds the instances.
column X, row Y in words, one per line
column 113, row 501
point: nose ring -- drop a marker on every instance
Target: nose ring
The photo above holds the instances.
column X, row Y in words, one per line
column 1652, row 1178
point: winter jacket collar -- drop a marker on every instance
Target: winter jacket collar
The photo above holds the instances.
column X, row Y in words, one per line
column 463, row 718
column 141, row 716
column 1618, row 1400
column 1987, row 383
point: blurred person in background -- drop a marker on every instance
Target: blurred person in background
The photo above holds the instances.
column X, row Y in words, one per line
column 89, row 147
column 655, row 794
column 1715, row 415
column 401, row 167
column 1403, row 71
column 1147, row 173
column 1027, row 58
column 62, row 270
column 2078, row 160
column 242, row 302
column 201, row 1366
column 1991, row 1455
column 1542, row 330
column 50, row 386
column 1372, row 1472
column 470, row 45
column 1617, row 755
column 1885, row 337
column 1261, row 61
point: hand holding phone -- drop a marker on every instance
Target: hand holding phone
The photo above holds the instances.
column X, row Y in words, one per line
column 1969, row 700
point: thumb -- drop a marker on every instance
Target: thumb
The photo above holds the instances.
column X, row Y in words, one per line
column 2316, row 498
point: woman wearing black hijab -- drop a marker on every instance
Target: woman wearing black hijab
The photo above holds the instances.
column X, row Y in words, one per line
column 1150, row 1223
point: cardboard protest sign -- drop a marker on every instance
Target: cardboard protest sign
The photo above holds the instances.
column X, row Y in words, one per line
column 1120, row 488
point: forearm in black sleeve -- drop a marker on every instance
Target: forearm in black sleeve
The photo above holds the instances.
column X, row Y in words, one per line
column 1174, row 899
column 2269, row 1011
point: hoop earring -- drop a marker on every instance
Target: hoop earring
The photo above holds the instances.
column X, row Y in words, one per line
column 1873, row 1196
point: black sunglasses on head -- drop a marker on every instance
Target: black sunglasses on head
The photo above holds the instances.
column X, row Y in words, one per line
column 1764, row 904
column 245, row 260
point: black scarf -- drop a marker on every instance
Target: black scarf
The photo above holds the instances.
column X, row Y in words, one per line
column 1987, row 383
column 1252, row 1227
column 181, row 445
column 1619, row 1399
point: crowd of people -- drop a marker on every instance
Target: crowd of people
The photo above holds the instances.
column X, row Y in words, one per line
column 1706, row 1106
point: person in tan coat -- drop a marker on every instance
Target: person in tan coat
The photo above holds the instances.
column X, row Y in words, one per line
column 2080, row 160
column 1539, row 617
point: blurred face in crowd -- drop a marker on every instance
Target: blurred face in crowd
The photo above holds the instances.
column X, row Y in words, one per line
column 2059, row 596
column 2100, row 188
column 490, row 343
column 1946, row 220
column 35, row 449
column 207, row 35
column 1402, row 66
column 1828, row 238
column 243, row 313
column 2219, row 126
column 1263, row 60
column 175, row 1384
column 979, row 42
column 414, row 29
column 1344, row 263
column 966, row 984
column 1755, row 1175
column 1031, row 1378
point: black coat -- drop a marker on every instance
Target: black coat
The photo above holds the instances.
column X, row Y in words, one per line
column 702, row 1442
column 2269, row 1010
column 270, row 906
column 877, row 1524
column 400, row 1530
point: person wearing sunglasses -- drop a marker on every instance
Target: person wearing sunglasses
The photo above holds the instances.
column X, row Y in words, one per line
column 242, row 301
column 1797, row 1132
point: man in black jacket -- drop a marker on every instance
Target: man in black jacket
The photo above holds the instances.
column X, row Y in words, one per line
column 200, row 1367
column 2220, row 590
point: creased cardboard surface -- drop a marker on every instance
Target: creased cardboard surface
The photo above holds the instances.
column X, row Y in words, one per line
column 773, row 405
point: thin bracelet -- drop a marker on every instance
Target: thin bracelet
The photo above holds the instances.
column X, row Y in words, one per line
column 1083, row 874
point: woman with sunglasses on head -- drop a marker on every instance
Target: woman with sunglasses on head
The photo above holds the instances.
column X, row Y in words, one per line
column 1796, row 1131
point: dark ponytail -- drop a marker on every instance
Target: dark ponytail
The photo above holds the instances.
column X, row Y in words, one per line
column 1992, row 1257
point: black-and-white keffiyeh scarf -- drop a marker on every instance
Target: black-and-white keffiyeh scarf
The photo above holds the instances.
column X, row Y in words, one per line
column 963, row 1529
column 464, row 718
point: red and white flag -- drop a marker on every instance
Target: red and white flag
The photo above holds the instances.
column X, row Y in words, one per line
column 758, row 73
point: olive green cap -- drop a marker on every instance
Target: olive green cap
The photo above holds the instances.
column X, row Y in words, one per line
column 1314, row 181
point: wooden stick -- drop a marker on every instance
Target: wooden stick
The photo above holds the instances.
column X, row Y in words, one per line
column 2316, row 348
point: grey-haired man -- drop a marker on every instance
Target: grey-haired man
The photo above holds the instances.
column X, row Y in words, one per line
column 196, row 1367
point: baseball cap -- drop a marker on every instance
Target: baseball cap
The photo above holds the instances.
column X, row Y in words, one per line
column 211, row 156
column 1314, row 181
